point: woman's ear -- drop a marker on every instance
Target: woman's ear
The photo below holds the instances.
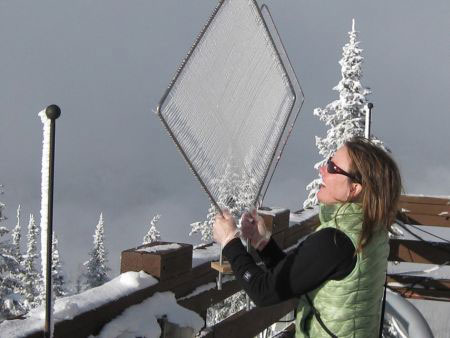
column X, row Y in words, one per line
column 355, row 190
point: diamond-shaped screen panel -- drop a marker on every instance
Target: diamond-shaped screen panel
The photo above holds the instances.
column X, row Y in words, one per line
column 229, row 103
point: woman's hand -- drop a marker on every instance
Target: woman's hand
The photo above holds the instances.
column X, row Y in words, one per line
column 254, row 229
column 224, row 228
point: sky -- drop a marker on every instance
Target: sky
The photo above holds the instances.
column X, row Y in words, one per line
column 107, row 64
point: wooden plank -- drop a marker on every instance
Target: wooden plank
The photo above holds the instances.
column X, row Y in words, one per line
column 247, row 324
column 424, row 294
column 442, row 221
column 424, row 209
column 288, row 332
column 225, row 267
column 424, row 282
column 294, row 233
column 202, row 301
column 268, row 221
column 419, row 252
column 425, row 199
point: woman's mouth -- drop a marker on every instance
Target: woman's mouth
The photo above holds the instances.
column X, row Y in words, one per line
column 321, row 184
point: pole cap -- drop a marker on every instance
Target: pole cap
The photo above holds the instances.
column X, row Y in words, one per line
column 370, row 105
column 53, row 112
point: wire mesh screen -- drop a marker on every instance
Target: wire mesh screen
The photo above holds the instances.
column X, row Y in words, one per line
column 229, row 103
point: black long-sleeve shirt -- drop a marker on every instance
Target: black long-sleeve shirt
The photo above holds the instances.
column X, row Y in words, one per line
column 324, row 255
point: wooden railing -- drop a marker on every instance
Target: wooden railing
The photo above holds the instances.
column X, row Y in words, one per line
column 425, row 212
column 183, row 281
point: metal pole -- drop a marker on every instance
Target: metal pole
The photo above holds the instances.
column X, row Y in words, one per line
column 368, row 120
column 52, row 112
column 247, row 298
column 219, row 278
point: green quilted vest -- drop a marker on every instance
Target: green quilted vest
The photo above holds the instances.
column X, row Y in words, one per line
column 350, row 307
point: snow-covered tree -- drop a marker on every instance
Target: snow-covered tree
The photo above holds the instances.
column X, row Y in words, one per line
column 204, row 228
column 236, row 193
column 32, row 278
column 344, row 117
column 96, row 267
column 58, row 278
column 16, row 236
column 11, row 302
column 153, row 233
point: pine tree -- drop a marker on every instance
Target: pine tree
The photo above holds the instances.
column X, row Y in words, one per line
column 11, row 302
column 153, row 233
column 16, row 236
column 2, row 206
column 344, row 117
column 96, row 267
column 58, row 278
column 204, row 228
column 32, row 277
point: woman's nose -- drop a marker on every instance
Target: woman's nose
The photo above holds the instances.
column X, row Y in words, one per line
column 322, row 170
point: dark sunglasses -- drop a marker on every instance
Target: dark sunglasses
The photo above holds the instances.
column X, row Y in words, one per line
column 332, row 168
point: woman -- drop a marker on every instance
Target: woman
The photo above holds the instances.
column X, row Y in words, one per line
column 338, row 271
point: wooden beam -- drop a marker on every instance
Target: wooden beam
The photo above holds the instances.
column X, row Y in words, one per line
column 425, row 282
column 295, row 232
column 202, row 301
column 434, row 220
column 424, row 209
column 424, row 200
column 419, row 252
column 419, row 287
column 224, row 268
column 288, row 332
column 424, row 294
column 247, row 324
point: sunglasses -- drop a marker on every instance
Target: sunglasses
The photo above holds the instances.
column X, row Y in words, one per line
column 332, row 168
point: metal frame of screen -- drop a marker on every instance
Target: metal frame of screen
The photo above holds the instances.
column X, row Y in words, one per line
column 283, row 60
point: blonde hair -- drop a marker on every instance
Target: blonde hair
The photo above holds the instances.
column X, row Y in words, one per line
column 381, row 186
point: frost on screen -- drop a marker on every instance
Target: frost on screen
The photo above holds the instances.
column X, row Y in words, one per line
column 229, row 105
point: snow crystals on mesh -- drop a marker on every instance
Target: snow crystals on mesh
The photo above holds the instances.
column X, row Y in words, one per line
column 231, row 101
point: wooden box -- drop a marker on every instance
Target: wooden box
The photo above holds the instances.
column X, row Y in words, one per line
column 162, row 260
column 277, row 218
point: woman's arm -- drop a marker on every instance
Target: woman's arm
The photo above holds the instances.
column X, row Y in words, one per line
column 326, row 254
column 271, row 255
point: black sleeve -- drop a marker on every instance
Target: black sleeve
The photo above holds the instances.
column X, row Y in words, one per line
column 326, row 254
column 271, row 255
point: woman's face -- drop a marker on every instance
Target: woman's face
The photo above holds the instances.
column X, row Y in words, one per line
column 338, row 188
